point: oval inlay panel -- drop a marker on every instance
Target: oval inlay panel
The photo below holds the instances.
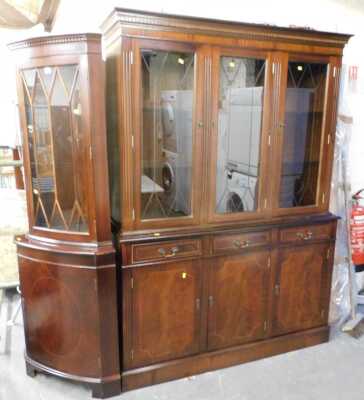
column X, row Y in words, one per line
column 55, row 317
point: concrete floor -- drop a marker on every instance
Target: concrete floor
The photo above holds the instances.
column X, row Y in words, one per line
column 332, row 371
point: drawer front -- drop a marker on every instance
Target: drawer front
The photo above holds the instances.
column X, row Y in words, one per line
column 306, row 233
column 239, row 241
column 166, row 250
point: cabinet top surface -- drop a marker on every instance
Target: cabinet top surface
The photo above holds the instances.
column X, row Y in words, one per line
column 215, row 26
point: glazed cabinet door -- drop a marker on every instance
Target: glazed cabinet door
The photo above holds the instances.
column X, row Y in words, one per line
column 238, row 299
column 167, row 135
column 165, row 312
column 56, row 141
column 302, row 288
column 304, row 133
column 240, row 143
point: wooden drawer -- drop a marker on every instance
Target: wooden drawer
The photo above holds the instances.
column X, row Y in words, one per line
column 306, row 233
column 238, row 241
column 166, row 250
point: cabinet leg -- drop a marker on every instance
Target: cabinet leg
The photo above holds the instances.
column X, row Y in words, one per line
column 31, row 371
column 105, row 390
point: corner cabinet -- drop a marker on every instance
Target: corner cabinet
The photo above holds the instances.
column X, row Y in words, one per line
column 212, row 159
column 67, row 262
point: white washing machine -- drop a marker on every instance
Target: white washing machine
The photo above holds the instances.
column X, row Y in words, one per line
column 239, row 194
column 244, row 120
column 176, row 118
column 239, row 147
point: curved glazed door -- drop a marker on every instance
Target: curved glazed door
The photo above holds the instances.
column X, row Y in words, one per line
column 238, row 299
column 57, row 143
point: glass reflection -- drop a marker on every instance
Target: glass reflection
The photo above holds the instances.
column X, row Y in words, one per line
column 240, row 119
column 168, row 80
column 302, row 133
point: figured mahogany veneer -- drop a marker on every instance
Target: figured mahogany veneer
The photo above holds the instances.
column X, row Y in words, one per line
column 177, row 312
column 166, row 297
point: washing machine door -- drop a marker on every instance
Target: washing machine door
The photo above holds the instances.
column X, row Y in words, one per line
column 234, row 202
column 168, row 178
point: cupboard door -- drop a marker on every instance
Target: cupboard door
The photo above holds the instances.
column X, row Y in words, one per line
column 302, row 288
column 239, row 144
column 238, row 299
column 165, row 312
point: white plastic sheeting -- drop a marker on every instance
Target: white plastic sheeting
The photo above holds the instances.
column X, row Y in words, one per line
column 340, row 205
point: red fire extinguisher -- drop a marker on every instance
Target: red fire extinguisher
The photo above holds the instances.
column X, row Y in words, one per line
column 357, row 229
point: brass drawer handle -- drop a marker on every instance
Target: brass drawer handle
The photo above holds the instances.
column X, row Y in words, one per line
column 240, row 244
column 172, row 253
column 304, row 236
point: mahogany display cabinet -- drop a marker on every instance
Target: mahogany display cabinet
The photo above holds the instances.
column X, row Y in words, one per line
column 209, row 149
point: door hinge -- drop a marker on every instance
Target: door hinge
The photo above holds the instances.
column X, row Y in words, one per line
column 276, row 289
column 328, row 254
column 198, row 303
column 132, row 283
column 273, row 68
column 323, row 197
column 269, row 140
column 265, row 326
column 328, row 139
column 269, row 262
column 131, row 58
column 133, row 214
column 132, row 354
column 265, row 203
column 132, row 142
column 211, row 301
column 334, row 72
column 90, row 150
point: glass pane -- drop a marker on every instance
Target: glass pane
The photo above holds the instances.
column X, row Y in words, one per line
column 29, row 78
column 240, row 124
column 168, row 80
column 47, row 75
column 57, row 151
column 68, row 74
column 302, row 133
